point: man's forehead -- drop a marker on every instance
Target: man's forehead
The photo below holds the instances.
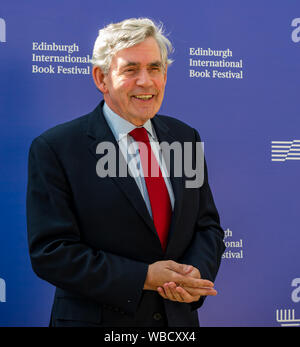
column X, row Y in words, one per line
column 125, row 63
column 145, row 52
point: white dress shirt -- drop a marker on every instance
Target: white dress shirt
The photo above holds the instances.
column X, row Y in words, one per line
column 121, row 128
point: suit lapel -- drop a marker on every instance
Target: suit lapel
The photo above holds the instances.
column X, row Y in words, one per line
column 99, row 131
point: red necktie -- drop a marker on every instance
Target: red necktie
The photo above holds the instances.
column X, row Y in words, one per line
column 156, row 186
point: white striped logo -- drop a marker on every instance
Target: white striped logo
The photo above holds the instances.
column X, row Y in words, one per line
column 285, row 150
column 287, row 318
column 2, row 30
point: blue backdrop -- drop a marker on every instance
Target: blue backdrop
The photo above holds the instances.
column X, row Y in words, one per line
column 235, row 78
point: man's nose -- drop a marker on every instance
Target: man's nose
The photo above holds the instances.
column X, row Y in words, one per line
column 144, row 79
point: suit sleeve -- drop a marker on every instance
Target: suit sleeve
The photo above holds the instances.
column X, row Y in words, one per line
column 57, row 253
column 207, row 246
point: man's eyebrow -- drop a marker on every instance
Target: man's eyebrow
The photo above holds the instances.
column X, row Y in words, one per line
column 156, row 63
column 129, row 64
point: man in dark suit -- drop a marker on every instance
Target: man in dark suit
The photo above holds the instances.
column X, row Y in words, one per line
column 140, row 249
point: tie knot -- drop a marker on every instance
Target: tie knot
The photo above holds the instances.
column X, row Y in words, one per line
column 140, row 134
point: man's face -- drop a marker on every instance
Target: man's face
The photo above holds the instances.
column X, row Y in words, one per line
column 134, row 86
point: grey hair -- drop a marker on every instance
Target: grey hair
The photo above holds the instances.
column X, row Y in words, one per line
column 130, row 32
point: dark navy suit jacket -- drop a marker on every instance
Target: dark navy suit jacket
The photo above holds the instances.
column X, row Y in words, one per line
column 93, row 237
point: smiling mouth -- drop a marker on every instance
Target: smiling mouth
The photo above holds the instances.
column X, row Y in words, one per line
column 144, row 97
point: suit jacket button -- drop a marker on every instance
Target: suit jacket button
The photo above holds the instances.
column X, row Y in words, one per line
column 157, row 316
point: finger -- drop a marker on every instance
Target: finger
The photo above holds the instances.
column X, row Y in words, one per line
column 179, row 268
column 186, row 297
column 201, row 291
column 165, row 293
column 169, row 292
column 162, row 292
column 175, row 293
column 194, row 273
column 192, row 282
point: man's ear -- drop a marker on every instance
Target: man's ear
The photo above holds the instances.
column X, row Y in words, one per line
column 99, row 79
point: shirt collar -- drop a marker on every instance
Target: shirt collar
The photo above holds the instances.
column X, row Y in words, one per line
column 121, row 127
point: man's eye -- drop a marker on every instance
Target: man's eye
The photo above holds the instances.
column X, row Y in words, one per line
column 130, row 70
column 155, row 68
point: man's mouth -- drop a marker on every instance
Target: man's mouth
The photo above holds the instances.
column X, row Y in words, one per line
column 143, row 96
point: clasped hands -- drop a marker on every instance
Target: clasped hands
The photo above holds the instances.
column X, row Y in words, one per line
column 177, row 282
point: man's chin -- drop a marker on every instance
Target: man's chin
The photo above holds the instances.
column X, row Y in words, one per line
column 138, row 121
column 142, row 117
